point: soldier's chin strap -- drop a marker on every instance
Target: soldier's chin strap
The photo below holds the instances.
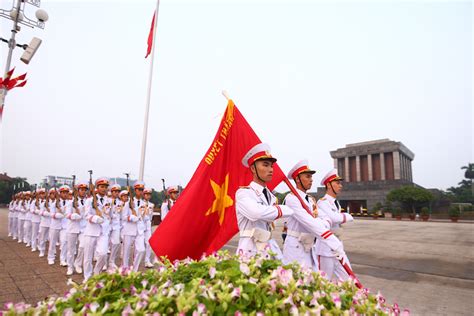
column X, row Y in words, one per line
column 302, row 185
column 256, row 171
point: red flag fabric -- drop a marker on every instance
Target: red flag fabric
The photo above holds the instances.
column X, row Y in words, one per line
column 1, row 111
column 21, row 84
column 8, row 76
column 21, row 77
column 150, row 36
column 203, row 218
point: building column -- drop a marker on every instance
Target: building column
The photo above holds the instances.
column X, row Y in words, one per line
column 335, row 164
column 410, row 171
column 405, row 168
column 382, row 166
column 396, row 165
column 369, row 166
column 346, row 169
column 358, row 168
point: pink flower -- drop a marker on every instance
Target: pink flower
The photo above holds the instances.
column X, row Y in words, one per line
column 201, row 308
column 244, row 268
column 237, row 313
column 212, row 272
column 236, row 292
column 406, row 312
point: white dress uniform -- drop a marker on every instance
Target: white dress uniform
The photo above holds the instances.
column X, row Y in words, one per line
column 116, row 226
column 54, row 229
column 166, row 207
column 256, row 208
column 15, row 219
column 81, row 205
column 35, row 222
column 66, row 206
column 73, row 229
column 96, row 235
column 45, row 224
column 133, row 235
column 148, row 219
column 21, row 219
column 327, row 208
column 27, row 227
column 10, row 218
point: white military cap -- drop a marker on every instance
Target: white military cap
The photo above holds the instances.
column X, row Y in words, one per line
column 102, row 180
column 172, row 189
column 331, row 176
column 41, row 190
column 123, row 192
column 115, row 187
column 139, row 185
column 147, row 190
column 82, row 184
column 64, row 188
column 301, row 167
column 258, row 152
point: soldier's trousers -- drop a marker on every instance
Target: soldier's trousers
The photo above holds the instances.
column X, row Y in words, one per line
column 148, row 253
column 101, row 252
column 21, row 226
column 115, row 247
column 53, row 239
column 14, row 227
column 128, row 243
column 34, row 235
column 90, row 243
column 10, row 226
column 71, row 248
column 43, row 237
column 333, row 268
column 80, row 252
column 63, row 245
column 27, row 232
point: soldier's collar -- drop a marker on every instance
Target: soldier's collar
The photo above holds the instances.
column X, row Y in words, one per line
column 330, row 198
column 257, row 187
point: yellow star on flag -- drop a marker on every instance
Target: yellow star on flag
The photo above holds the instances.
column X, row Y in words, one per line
column 222, row 200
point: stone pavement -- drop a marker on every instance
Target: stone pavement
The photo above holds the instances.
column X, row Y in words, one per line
column 427, row 267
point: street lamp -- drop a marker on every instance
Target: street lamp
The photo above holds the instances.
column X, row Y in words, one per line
column 17, row 15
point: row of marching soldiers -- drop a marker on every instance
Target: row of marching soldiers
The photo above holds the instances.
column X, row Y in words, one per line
column 87, row 227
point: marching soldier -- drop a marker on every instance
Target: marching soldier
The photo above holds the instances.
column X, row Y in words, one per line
column 11, row 207
column 15, row 216
column 21, row 216
column 255, row 204
column 172, row 194
column 81, row 205
column 45, row 222
column 329, row 207
column 27, row 225
column 148, row 217
column 57, row 215
column 36, row 217
column 303, row 227
column 74, row 214
column 97, row 229
column 116, row 226
column 132, row 232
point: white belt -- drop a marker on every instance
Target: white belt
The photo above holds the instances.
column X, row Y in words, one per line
column 307, row 240
column 260, row 237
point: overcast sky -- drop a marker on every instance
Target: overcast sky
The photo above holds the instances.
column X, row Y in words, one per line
column 310, row 77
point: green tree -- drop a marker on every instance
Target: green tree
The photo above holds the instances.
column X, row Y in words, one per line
column 410, row 197
column 464, row 192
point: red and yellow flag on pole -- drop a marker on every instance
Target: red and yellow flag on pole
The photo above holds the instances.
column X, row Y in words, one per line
column 203, row 219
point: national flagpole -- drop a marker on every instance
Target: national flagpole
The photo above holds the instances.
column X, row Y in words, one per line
column 147, row 109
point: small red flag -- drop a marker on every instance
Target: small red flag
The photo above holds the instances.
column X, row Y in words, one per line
column 1, row 111
column 204, row 219
column 8, row 76
column 150, row 36
column 21, row 84
column 21, row 77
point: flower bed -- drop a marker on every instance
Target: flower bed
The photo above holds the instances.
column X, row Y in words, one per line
column 221, row 284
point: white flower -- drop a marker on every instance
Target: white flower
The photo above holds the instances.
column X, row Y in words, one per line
column 244, row 268
column 236, row 292
column 212, row 272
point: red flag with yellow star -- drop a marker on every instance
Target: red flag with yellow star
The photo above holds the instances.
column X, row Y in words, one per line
column 203, row 218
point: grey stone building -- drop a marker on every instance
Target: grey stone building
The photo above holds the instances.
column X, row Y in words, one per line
column 370, row 170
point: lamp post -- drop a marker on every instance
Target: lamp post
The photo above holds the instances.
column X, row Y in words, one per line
column 17, row 15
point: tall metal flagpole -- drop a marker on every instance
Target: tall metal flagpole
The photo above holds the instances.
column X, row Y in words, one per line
column 147, row 109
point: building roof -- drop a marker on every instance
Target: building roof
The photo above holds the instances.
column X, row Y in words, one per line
column 372, row 147
column 4, row 177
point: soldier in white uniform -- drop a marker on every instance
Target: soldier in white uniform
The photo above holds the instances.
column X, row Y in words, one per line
column 328, row 207
column 45, row 222
column 256, row 206
column 116, row 226
column 172, row 194
column 74, row 214
column 66, row 205
column 94, row 231
column 11, row 207
column 37, row 206
column 303, row 227
column 57, row 214
column 21, row 216
column 148, row 218
column 27, row 224
column 81, row 205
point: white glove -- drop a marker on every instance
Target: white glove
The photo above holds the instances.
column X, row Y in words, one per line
column 340, row 254
column 97, row 219
column 46, row 214
column 58, row 216
column 146, row 218
column 37, row 212
column 75, row 216
column 349, row 218
column 133, row 218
